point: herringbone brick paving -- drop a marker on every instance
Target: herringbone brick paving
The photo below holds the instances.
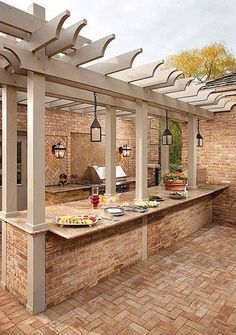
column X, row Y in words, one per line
column 186, row 289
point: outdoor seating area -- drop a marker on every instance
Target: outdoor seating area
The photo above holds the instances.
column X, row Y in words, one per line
column 117, row 190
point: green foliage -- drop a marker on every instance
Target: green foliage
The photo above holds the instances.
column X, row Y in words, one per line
column 176, row 148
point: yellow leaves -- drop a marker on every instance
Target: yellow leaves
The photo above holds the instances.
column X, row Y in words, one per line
column 205, row 63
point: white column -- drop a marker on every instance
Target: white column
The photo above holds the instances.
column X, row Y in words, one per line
column 36, row 192
column 36, row 151
column 9, row 150
column 36, row 301
column 141, row 150
column 110, row 150
column 164, row 151
column 9, row 166
column 192, row 151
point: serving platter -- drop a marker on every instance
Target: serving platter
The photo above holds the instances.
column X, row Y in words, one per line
column 115, row 211
column 76, row 220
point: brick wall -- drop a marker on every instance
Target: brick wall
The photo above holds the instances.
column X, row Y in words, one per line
column 170, row 226
column 65, row 126
column 218, row 156
column 17, row 263
column 72, row 265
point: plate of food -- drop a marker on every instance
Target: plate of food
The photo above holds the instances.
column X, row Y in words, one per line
column 76, row 220
column 115, row 211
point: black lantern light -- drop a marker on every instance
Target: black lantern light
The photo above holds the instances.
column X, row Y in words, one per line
column 59, row 150
column 167, row 137
column 199, row 136
column 125, row 150
column 95, row 128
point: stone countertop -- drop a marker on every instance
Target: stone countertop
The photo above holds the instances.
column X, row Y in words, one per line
column 84, row 207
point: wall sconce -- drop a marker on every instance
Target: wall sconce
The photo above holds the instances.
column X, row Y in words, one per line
column 167, row 137
column 95, row 128
column 58, row 150
column 199, row 136
column 125, row 150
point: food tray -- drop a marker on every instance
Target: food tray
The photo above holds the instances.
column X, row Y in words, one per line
column 115, row 211
column 76, row 220
column 177, row 195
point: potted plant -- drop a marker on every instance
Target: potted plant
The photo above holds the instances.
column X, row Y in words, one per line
column 62, row 179
column 175, row 181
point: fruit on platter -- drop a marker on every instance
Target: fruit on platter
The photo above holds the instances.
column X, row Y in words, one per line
column 76, row 220
column 147, row 204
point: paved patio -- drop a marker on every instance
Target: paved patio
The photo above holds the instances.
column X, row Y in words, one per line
column 189, row 288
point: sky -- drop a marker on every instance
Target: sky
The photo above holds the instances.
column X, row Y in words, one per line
column 160, row 27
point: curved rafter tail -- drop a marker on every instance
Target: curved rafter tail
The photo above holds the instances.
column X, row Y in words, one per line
column 116, row 64
column 48, row 32
column 67, row 39
column 89, row 52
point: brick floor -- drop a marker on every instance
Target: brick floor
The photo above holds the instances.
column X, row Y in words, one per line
column 186, row 289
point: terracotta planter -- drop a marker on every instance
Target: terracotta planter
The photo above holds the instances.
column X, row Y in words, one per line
column 177, row 185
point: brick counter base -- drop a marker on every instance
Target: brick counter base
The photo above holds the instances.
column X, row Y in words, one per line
column 72, row 265
column 168, row 227
column 76, row 264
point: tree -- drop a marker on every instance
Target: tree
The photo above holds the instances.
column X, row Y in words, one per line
column 209, row 62
column 176, row 148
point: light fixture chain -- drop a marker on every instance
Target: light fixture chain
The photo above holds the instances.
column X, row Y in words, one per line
column 95, row 104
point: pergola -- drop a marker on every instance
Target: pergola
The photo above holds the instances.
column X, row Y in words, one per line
column 46, row 65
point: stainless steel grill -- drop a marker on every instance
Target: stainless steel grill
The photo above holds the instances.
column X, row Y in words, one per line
column 97, row 174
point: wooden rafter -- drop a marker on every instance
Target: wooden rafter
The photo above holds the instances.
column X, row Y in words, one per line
column 115, row 64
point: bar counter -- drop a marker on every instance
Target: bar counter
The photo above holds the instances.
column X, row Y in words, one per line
column 77, row 258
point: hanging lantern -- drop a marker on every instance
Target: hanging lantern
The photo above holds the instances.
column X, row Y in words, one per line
column 125, row 150
column 58, row 150
column 167, row 137
column 95, row 128
column 199, row 136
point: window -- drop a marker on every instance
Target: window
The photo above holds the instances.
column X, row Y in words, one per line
column 19, row 163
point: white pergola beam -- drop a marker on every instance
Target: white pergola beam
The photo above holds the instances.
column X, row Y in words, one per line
column 18, row 19
column 48, row 32
column 115, row 64
column 201, row 96
column 138, row 72
column 191, row 91
column 170, row 82
column 63, row 73
column 67, row 39
column 89, row 52
column 160, row 77
column 179, row 85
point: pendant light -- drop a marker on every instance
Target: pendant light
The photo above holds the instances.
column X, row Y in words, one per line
column 95, row 128
column 167, row 137
column 199, row 136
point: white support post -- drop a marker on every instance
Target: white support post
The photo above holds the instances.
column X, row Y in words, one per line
column 192, row 151
column 141, row 150
column 36, row 192
column 9, row 166
column 36, row 301
column 110, row 150
column 36, row 151
column 164, row 151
